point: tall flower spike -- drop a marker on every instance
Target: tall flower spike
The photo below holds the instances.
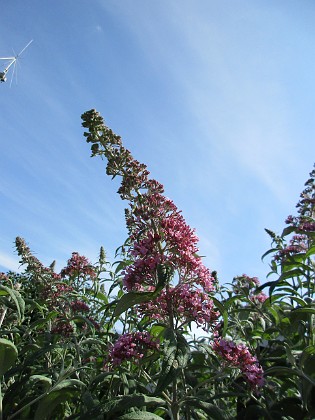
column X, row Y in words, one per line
column 158, row 233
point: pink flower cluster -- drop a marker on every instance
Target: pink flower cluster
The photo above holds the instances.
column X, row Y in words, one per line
column 78, row 266
column 305, row 222
column 79, row 306
column 239, row 356
column 187, row 304
column 245, row 285
column 62, row 327
column 297, row 245
column 259, row 298
column 158, row 233
column 4, row 278
column 161, row 236
column 131, row 346
column 53, row 291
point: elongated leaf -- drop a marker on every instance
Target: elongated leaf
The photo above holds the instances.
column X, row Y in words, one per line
column 286, row 231
column 130, row 299
column 41, row 380
column 283, row 370
column 8, row 355
column 69, row 384
column 99, row 295
column 270, row 251
column 212, row 410
column 17, row 299
column 140, row 415
column 123, row 403
column 48, row 405
column 304, row 311
column 310, row 252
column 307, row 361
column 176, row 355
column 224, row 314
column 66, row 390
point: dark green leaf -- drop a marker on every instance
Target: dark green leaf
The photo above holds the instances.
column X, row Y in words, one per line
column 8, row 355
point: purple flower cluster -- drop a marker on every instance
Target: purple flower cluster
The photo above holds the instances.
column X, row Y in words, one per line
column 78, row 266
column 52, row 291
column 245, row 285
column 304, row 222
column 131, row 346
column 239, row 356
column 188, row 304
column 158, row 232
column 161, row 236
column 297, row 244
column 62, row 327
column 79, row 306
column 158, row 236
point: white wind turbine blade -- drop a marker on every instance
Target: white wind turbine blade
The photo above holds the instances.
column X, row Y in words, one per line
column 24, row 48
column 14, row 72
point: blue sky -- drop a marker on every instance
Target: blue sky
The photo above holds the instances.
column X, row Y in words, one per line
column 217, row 97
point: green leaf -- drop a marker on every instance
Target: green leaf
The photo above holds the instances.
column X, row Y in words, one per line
column 310, row 252
column 290, row 356
column 307, row 361
column 140, row 415
column 270, row 251
column 43, row 381
column 123, row 403
column 17, row 299
column 286, row 231
column 304, row 311
column 8, row 355
column 224, row 314
column 99, row 295
column 135, row 298
column 289, row 407
column 176, row 355
column 211, row 410
column 130, row 299
column 64, row 391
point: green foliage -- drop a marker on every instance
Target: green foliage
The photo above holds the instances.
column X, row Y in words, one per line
column 59, row 332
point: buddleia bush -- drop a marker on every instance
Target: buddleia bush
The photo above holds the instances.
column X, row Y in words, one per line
column 115, row 341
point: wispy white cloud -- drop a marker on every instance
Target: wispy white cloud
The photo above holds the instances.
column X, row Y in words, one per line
column 9, row 262
column 232, row 84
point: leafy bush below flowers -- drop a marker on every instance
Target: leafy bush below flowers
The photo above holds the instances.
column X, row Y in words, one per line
column 114, row 341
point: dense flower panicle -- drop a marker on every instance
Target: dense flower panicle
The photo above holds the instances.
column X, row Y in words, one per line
column 306, row 208
column 53, row 291
column 132, row 346
column 244, row 283
column 27, row 258
column 62, row 327
column 161, row 235
column 239, row 356
column 95, row 323
column 156, row 227
column 78, row 266
column 79, row 306
column 188, row 304
column 297, row 244
column 259, row 298
column 4, row 278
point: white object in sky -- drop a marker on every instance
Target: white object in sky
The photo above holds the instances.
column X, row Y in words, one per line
column 12, row 62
